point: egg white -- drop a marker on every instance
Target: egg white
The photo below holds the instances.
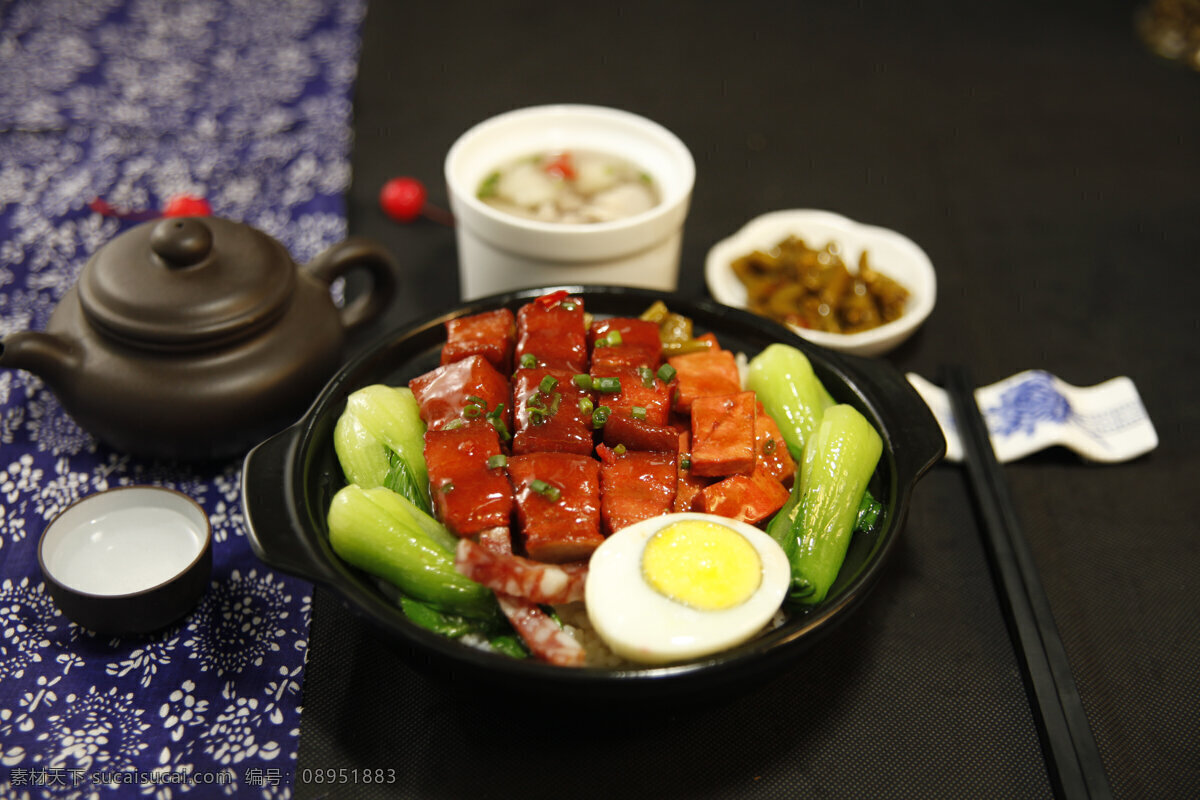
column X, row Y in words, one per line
column 642, row 625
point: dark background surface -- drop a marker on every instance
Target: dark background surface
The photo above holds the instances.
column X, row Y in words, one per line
column 1050, row 167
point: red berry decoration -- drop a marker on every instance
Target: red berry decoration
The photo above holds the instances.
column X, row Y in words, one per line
column 403, row 199
column 187, row 205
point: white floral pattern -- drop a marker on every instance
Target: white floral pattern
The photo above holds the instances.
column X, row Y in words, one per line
column 134, row 101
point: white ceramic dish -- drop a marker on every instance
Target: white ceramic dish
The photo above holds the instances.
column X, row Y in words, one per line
column 499, row 252
column 891, row 253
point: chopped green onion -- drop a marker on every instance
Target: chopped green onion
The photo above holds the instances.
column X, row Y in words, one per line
column 567, row 305
column 453, row 424
column 647, row 377
column 600, row 416
column 665, row 373
column 585, row 406
column 489, row 186
column 535, row 401
column 551, row 493
column 555, row 401
column 538, row 416
column 473, row 411
column 583, row 381
column 638, row 412
column 496, row 415
column 610, row 339
column 547, row 385
column 528, row 360
column 619, row 449
column 768, row 447
column 685, row 462
column 606, row 384
column 497, row 461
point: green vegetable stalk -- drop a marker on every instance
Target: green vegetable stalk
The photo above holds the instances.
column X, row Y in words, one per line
column 381, row 532
column 816, row 524
column 790, row 391
column 380, row 441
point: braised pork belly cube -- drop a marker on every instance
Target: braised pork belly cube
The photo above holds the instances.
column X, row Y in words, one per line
column 626, row 342
column 771, row 449
column 551, row 332
column 548, row 414
column 688, row 485
column 704, row 373
column 723, row 434
column 635, row 392
column 750, row 498
column 634, row 486
column 463, row 390
column 558, row 505
column 637, row 434
column 467, row 482
column 491, row 334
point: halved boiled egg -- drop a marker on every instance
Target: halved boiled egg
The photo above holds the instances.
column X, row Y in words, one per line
column 684, row 585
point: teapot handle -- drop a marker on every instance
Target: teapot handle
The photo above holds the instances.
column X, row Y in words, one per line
column 354, row 253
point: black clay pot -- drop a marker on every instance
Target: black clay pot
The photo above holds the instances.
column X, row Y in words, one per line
column 289, row 480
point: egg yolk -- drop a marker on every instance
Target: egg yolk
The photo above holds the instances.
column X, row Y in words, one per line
column 703, row 565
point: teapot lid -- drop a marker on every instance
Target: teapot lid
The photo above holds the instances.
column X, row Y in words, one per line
column 187, row 282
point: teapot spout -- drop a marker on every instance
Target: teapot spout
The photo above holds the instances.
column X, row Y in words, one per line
column 46, row 355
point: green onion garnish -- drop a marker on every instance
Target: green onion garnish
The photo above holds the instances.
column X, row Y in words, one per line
column 600, row 416
column 497, row 461
column 612, row 384
column 665, row 373
column 551, row 493
column 638, row 412
column 528, row 360
column 547, row 385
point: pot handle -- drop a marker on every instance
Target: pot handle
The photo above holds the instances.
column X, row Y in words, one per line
column 275, row 533
column 355, row 253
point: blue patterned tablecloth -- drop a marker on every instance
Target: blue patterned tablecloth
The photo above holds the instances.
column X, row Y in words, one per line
column 247, row 104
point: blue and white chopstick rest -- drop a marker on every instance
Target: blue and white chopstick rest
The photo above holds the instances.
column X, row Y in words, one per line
column 1034, row 409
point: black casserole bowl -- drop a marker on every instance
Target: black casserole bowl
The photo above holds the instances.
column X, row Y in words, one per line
column 290, row 479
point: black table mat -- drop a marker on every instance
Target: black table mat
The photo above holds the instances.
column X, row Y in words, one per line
column 1048, row 165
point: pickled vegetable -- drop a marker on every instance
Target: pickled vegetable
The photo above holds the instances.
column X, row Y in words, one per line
column 804, row 287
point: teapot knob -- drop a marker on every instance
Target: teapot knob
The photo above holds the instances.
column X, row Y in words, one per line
column 181, row 241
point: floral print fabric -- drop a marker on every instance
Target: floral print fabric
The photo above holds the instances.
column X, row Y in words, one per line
column 246, row 104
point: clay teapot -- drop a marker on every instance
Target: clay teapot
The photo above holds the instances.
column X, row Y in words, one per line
column 196, row 337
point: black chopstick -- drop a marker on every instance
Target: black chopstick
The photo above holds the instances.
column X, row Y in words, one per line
column 1073, row 759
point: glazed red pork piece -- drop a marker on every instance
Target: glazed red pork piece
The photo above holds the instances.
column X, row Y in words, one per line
column 491, row 334
column 626, row 342
column 551, row 333
column 706, row 372
column 548, row 415
column 558, row 505
column 469, row 495
column 750, row 498
column 454, row 391
column 635, row 486
column 687, row 485
column 771, row 450
column 723, row 434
